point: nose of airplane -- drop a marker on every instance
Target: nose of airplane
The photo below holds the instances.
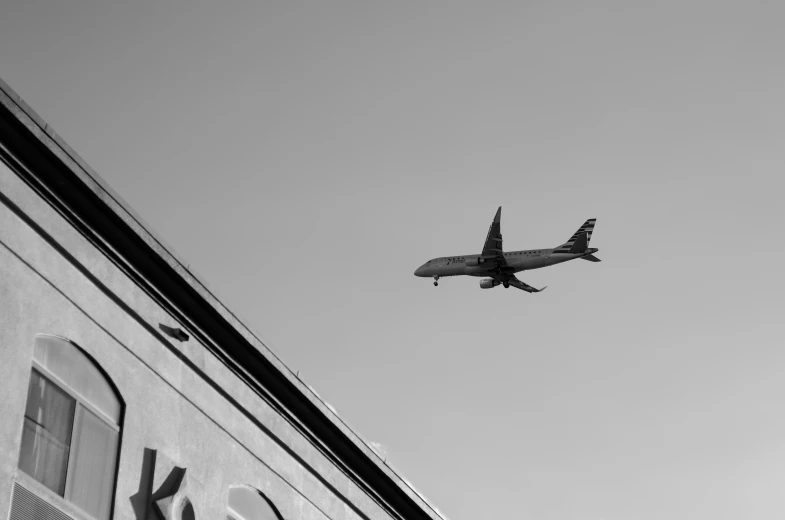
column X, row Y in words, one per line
column 422, row 270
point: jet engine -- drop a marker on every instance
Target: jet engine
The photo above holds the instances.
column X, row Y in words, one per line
column 474, row 261
column 488, row 283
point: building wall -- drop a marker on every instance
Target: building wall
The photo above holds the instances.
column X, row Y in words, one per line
column 180, row 398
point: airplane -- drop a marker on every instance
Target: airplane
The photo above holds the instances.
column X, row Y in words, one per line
column 499, row 268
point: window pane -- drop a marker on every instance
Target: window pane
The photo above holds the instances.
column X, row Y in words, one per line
column 93, row 459
column 76, row 370
column 46, row 436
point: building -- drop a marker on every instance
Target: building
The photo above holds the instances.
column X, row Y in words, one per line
column 129, row 390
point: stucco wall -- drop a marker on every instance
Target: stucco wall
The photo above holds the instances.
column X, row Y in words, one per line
column 180, row 399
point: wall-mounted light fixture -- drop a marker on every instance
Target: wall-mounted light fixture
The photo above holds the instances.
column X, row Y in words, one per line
column 175, row 332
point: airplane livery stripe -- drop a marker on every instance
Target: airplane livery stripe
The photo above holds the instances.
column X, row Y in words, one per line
column 587, row 228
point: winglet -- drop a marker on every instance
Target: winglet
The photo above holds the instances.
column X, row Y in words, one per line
column 498, row 217
column 543, row 289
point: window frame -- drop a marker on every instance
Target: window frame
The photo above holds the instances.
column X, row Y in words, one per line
column 62, row 501
column 79, row 398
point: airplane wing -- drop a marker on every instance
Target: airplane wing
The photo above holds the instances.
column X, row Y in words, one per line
column 512, row 280
column 492, row 250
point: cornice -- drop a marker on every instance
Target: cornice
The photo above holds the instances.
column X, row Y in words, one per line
column 66, row 182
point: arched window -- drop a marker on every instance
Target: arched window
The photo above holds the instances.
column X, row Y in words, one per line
column 246, row 503
column 71, row 426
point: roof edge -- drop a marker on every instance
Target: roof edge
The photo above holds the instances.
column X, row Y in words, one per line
column 172, row 276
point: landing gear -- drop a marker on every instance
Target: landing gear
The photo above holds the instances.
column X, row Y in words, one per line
column 435, row 281
column 435, row 284
column 506, row 285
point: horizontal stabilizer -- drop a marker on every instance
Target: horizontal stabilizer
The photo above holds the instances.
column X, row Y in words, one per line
column 591, row 258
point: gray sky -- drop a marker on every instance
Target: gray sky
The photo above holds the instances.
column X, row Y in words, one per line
column 306, row 157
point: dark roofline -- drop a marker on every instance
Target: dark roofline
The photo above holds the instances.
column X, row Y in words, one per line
column 66, row 181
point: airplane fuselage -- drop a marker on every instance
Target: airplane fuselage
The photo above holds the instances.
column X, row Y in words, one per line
column 499, row 268
column 517, row 261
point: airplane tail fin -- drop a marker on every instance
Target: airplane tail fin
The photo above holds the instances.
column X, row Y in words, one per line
column 590, row 258
column 579, row 241
column 580, row 244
